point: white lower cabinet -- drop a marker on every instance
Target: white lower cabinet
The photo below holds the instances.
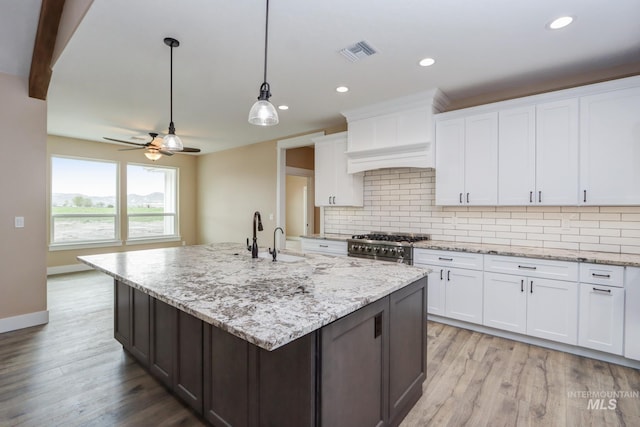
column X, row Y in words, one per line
column 452, row 292
column 323, row 246
column 538, row 307
column 552, row 310
column 601, row 317
column 632, row 314
column 505, row 302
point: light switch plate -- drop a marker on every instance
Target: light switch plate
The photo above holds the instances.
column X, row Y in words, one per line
column 19, row 222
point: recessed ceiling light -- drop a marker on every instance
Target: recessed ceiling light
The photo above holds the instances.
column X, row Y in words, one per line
column 342, row 89
column 427, row 62
column 283, row 107
column 561, row 22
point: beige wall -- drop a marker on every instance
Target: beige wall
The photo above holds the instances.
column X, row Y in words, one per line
column 22, row 193
column 187, row 165
column 295, row 205
column 302, row 157
column 233, row 184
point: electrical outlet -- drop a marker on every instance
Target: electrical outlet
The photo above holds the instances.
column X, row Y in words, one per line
column 19, row 222
column 271, row 217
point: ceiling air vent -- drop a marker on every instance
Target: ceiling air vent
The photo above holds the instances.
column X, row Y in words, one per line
column 358, row 51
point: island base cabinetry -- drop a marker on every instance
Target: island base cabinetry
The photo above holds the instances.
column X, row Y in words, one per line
column 366, row 368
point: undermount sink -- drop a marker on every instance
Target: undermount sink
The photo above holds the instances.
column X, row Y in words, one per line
column 281, row 257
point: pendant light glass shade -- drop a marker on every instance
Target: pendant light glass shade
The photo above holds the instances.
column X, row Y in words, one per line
column 171, row 142
column 263, row 113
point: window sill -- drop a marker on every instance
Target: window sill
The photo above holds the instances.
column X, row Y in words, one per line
column 87, row 245
column 151, row 240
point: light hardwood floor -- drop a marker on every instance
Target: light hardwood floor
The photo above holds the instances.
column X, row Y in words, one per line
column 72, row 372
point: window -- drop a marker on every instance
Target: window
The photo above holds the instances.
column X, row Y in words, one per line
column 84, row 201
column 152, row 200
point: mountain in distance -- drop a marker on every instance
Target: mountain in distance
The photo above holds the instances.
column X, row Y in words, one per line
column 66, row 199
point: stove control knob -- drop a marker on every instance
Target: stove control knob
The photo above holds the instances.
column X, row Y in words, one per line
column 393, row 251
column 368, row 248
column 376, row 249
column 400, row 252
column 385, row 250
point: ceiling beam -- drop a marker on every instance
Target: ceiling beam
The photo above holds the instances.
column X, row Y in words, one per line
column 40, row 74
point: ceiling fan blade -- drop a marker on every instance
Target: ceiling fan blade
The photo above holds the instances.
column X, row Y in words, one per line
column 190, row 150
column 129, row 149
column 166, row 153
column 124, row 142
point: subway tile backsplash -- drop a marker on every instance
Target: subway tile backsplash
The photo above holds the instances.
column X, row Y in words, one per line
column 403, row 200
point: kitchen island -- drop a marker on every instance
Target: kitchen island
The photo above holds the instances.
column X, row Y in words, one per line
column 313, row 341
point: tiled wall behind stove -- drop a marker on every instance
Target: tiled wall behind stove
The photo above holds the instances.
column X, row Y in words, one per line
column 403, row 200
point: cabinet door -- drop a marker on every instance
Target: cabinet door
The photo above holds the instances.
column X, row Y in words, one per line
column 481, row 159
column 122, row 314
column 449, row 161
column 601, row 318
column 407, row 346
column 632, row 313
column 349, row 188
column 140, row 326
column 552, row 310
column 163, row 341
column 505, row 302
column 324, row 173
column 557, row 153
column 610, row 148
column 188, row 364
column 436, row 291
column 354, row 379
column 463, row 295
column 517, row 156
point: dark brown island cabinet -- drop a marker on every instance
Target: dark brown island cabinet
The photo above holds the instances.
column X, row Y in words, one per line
column 365, row 369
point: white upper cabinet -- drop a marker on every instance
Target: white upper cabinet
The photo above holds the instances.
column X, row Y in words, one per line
column 610, row 148
column 538, row 154
column 333, row 185
column 467, row 160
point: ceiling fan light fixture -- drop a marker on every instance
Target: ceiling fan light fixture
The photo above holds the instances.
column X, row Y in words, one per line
column 171, row 142
column 263, row 113
column 152, row 154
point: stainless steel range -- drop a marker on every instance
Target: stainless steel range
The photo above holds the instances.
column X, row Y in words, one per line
column 396, row 247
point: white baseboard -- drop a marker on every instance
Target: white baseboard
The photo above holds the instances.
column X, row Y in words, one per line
column 567, row 348
column 24, row 321
column 71, row 268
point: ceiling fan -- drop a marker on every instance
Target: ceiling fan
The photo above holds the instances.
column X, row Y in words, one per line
column 152, row 148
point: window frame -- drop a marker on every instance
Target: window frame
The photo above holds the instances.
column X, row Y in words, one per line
column 89, row 243
column 176, row 214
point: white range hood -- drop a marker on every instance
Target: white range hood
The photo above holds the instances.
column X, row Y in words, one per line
column 394, row 133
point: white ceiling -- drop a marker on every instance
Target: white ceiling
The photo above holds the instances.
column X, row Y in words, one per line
column 113, row 77
column 18, row 25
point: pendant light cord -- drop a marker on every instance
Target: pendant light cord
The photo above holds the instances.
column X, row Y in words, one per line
column 266, row 38
column 171, row 87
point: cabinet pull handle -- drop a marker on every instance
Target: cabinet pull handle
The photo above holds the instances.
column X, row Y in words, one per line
column 324, row 246
column 445, row 259
column 377, row 326
column 522, row 285
column 530, row 196
column 460, row 197
column 531, row 286
column 602, row 290
column 448, row 273
column 585, row 196
column 604, row 276
column 334, row 200
column 539, row 196
column 441, row 274
column 527, row 267
column 467, row 197
column 329, row 199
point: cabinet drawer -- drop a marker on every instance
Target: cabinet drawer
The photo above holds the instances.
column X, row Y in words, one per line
column 598, row 274
column 322, row 246
column 532, row 267
column 447, row 259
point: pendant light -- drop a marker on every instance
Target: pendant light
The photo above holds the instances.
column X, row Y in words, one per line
column 171, row 142
column 263, row 113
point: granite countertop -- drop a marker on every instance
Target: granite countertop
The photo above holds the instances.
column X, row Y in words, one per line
column 625, row 259
column 267, row 303
column 629, row 260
